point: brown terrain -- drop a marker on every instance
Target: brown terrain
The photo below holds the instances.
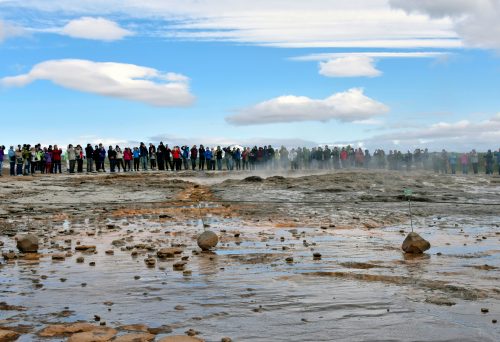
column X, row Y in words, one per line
column 301, row 257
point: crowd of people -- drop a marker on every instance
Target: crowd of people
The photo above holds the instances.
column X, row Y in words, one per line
column 29, row 160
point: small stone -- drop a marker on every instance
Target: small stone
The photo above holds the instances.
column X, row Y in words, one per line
column 414, row 243
column 110, row 252
column 92, row 263
column 150, row 262
column 137, row 277
column 80, row 259
column 226, row 339
column 485, row 310
column 494, row 321
column 179, row 266
column 207, row 240
column 317, row 256
column 58, row 256
column 289, row 260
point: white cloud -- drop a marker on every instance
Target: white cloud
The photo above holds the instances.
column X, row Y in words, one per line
column 346, row 106
column 476, row 21
column 282, row 23
column 95, row 29
column 461, row 135
column 349, row 66
column 126, row 81
column 390, row 54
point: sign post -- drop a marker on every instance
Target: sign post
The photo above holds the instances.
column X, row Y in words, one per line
column 408, row 193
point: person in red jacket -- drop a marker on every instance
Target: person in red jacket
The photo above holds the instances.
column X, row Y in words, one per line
column 56, row 159
column 127, row 156
column 176, row 156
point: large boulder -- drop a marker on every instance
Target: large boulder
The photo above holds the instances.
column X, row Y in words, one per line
column 415, row 244
column 207, row 240
column 27, row 243
column 180, row 338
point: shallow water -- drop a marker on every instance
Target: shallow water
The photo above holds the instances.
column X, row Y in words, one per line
column 363, row 288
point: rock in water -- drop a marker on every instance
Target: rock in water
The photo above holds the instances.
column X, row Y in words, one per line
column 415, row 244
column 207, row 240
column 27, row 243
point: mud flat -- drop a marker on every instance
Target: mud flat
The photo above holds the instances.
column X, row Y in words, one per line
column 301, row 257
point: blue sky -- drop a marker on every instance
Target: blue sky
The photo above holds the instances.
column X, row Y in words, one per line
column 378, row 73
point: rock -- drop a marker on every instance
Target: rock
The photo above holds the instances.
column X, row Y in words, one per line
column 27, row 243
column 289, row 260
column 181, row 338
column 226, row 339
column 168, row 252
column 86, row 248
column 415, row 244
column 316, row 256
column 9, row 255
column 253, row 179
column 150, row 261
column 99, row 334
column 80, row 260
column 207, row 240
column 135, row 327
column 8, row 335
column 58, row 256
column 110, row 252
column 63, row 329
column 179, row 266
column 485, row 310
column 137, row 337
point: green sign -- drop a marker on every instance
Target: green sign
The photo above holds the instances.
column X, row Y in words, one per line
column 408, row 192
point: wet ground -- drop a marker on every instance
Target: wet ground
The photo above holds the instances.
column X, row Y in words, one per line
column 300, row 257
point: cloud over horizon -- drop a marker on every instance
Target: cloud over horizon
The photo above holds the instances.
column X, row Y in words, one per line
column 125, row 81
column 351, row 105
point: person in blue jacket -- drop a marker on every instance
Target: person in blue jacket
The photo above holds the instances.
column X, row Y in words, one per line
column 209, row 158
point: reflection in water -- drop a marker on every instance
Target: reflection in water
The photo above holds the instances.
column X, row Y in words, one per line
column 363, row 288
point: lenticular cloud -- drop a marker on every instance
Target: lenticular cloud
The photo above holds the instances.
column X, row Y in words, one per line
column 349, row 106
column 125, row 81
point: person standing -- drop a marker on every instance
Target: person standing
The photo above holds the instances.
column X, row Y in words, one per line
column 102, row 158
column 474, row 159
column 127, row 156
column 137, row 157
column 218, row 157
column 497, row 154
column 12, row 160
column 194, row 156
column 119, row 158
column 2, row 155
column 488, row 159
column 79, row 158
column 56, row 159
column 71, row 158
column 168, row 158
column 160, row 156
column 112, row 159
column 152, row 156
column 453, row 162
column 89, row 155
column 201, row 158
column 48, row 159
column 209, row 158
column 464, row 162
column 185, row 156
column 176, row 156
column 19, row 162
